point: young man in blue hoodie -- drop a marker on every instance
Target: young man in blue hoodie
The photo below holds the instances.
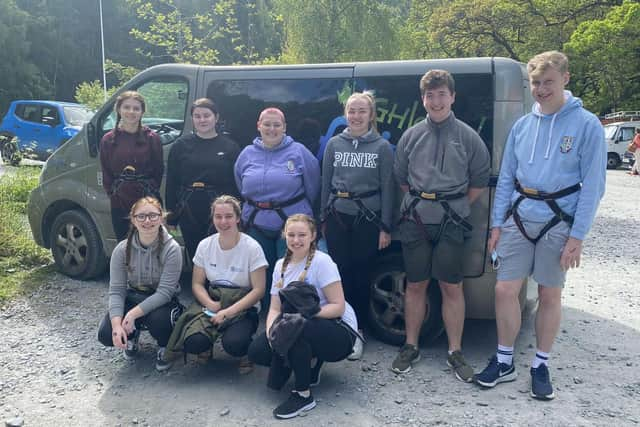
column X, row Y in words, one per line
column 551, row 181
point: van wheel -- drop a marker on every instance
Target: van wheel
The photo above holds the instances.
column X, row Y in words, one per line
column 613, row 161
column 9, row 150
column 386, row 306
column 76, row 246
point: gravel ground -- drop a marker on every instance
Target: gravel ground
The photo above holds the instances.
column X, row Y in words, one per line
column 54, row 372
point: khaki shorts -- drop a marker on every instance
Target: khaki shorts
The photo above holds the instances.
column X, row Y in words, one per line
column 519, row 258
column 425, row 259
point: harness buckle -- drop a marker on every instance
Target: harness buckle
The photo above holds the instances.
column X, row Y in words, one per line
column 428, row 196
column 342, row 194
column 264, row 205
column 530, row 191
column 128, row 170
column 197, row 184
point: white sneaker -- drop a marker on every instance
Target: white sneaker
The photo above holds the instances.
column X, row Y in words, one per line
column 358, row 349
column 161, row 363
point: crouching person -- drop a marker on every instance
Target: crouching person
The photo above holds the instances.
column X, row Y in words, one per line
column 143, row 284
column 229, row 271
column 308, row 318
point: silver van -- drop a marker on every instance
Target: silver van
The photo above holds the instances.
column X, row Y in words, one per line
column 618, row 136
column 69, row 211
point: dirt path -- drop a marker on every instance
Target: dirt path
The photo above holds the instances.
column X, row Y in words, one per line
column 54, row 372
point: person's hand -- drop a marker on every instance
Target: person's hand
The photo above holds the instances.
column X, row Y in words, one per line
column 492, row 243
column 119, row 337
column 571, row 253
column 129, row 323
column 384, row 240
column 214, row 306
column 220, row 317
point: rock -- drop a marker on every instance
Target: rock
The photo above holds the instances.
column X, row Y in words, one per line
column 225, row 411
column 398, row 400
column 134, row 421
column 482, row 404
column 14, row 422
column 577, row 380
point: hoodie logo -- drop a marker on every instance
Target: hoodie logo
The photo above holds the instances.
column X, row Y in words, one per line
column 290, row 165
column 567, row 143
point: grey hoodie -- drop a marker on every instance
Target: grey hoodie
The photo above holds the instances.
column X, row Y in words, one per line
column 148, row 267
column 358, row 165
column 446, row 157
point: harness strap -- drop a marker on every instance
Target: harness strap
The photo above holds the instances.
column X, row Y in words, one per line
column 369, row 214
column 129, row 174
column 197, row 186
column 550, row 200
column 450, row 213
column 271, row 206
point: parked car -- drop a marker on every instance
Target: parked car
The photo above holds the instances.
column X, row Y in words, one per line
column 69, row 210
column 40, row 127
column 618, row 136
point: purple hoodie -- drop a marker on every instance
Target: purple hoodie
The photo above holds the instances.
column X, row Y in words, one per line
column 276, row 175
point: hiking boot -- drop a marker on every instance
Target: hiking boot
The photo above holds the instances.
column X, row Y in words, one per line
column 245, row 366
column 131, row 351
column 358, row 349
column 161, row 363
column 316, row 371
column 408, row 354
column 294, row 406
column 463, row 371
column 495, row 373
column 541, row 387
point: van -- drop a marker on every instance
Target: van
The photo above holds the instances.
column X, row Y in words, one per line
column 69, row 210
column 618, row 136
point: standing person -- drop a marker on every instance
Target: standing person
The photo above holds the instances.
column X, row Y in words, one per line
column 131, row 160
column 277, row 177
column 233, row 263
column 326, row 331
column 143, row 284
column 635, row 170
column 551, row 181
column 357, row 198
column 442, row 165
column 199, row 168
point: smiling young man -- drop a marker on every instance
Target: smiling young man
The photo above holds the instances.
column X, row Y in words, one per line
column 551, row 181
column 442, row 165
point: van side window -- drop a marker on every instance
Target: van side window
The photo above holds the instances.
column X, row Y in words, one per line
column 166, row 105
column 312, row 107
column 627, row 133
column 400, row 107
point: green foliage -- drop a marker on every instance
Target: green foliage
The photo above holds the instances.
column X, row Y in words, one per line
column 19, row 255
column 92, row 94
column 606, row 59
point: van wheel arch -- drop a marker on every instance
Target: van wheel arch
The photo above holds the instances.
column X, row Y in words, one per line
column 76, row 245
column 386, row 305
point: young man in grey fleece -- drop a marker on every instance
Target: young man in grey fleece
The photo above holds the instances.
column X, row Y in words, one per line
column 439, row 161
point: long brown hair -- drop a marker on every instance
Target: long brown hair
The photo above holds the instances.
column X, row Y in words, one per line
column 132, row 229
column 312, row 248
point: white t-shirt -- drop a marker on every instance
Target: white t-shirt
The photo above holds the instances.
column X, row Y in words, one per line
column 235, row 264
column 322, row 272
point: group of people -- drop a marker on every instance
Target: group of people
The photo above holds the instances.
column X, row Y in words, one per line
column 551, row 180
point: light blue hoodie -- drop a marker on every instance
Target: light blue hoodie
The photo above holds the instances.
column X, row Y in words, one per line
column 549, row 153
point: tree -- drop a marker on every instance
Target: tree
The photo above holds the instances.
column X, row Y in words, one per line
column 605, row 55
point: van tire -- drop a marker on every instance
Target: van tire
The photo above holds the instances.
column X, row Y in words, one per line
column 386, row 306
column 76, row 246
column 613, row 161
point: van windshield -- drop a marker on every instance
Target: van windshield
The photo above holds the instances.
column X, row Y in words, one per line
column 610, row 131
column 77, row 116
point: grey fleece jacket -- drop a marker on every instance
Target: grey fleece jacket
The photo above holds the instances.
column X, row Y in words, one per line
column 148, row 267
column 446, row 157
column 357, row 165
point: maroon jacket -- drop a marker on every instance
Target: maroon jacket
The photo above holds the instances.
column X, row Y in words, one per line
column 119, row 149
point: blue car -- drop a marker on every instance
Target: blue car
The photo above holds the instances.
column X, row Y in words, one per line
column 39, row 127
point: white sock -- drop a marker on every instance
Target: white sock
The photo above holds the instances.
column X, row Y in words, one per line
column 541, row 358
column 505, row 354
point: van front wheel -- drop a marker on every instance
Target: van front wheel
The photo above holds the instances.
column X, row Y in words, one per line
column 76, row 246
column 613, row 161
column 386, row 306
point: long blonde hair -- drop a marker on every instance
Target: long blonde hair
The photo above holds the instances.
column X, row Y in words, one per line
column 312, row 248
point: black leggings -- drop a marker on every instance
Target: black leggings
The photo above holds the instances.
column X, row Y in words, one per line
column 120, row 222
column 353, row 244
column 159, row 322
column 235, row 338
column 322, row 338
column 195, row 221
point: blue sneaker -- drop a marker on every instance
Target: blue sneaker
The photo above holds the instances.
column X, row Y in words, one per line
column 495, row 373
column 541, row 387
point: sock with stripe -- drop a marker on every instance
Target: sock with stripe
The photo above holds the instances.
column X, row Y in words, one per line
column 505, row 355
column 540, row 359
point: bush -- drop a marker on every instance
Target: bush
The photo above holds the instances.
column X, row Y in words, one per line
column 19, row 254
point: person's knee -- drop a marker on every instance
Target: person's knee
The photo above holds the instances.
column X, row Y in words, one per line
column 197, row 343
column 452, row 292
column 260, row 352
column 236, row 346
column 507, row 291
column 104, row 332
column 416, row 289
column 548, row 296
